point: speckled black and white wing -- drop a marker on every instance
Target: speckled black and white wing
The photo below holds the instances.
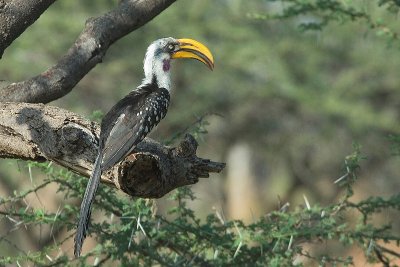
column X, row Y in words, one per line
column 133, row 118
column 123, row 127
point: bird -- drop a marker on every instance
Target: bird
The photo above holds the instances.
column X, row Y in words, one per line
column 129, row 121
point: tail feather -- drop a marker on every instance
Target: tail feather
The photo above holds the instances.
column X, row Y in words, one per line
column 84, row 215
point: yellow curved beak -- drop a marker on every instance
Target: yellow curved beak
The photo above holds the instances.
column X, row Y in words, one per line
column 189, row 48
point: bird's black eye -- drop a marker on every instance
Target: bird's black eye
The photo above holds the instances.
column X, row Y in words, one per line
column 171, row 48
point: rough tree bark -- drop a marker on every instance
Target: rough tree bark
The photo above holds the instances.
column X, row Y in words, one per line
column 38, row 132
column 16, row 16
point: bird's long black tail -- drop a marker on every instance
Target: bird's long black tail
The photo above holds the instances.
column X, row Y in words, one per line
column 84, row 215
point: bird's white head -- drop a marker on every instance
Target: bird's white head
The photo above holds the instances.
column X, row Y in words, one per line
column 157, row 62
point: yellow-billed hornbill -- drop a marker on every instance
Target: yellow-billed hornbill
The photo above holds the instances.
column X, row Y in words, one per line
column 133, row 117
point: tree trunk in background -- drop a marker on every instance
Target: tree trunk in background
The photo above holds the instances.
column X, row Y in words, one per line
column 241, row 185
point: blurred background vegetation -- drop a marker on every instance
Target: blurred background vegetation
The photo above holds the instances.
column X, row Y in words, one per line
column 291, row 92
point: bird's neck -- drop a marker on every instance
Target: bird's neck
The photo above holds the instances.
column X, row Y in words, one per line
column 157, row 72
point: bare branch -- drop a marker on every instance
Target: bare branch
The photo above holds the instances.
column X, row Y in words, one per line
column 16, row 16
column 87, row 51
column 39, row 132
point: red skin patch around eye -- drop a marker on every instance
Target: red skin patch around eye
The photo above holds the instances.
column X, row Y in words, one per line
column 166, row 65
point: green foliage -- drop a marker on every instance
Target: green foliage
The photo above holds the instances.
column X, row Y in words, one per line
column 135, row 235
column 196, row 128
column 319, row 13
column 395, row 139
column 97, row 115
column 326, row 11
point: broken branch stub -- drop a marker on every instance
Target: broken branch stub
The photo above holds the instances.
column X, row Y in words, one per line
column 154, row 170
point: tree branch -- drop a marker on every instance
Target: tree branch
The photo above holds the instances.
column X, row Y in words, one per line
column 39, row 132
column 87, row 51
column 16, row 16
